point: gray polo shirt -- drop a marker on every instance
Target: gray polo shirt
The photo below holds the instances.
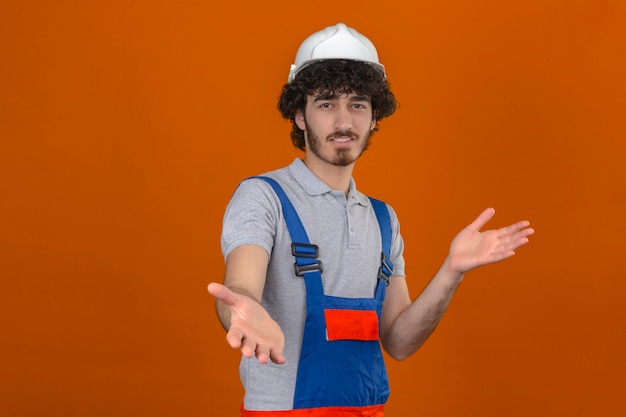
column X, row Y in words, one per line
column 348, row 236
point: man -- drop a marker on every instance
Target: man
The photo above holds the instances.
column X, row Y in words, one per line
column 314, row 280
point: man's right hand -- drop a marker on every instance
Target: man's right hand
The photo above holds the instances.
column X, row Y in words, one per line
column 251, row 328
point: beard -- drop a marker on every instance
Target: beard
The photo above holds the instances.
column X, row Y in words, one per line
column 341, row 157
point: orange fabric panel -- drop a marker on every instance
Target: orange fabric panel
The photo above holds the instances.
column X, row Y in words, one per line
column 351, row 324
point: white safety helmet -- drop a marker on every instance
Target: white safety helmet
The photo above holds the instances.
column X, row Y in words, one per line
column 335, row 42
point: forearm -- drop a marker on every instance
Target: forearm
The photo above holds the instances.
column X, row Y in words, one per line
column 417, row 321
column 244, row 275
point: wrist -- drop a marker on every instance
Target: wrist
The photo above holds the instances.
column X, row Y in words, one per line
column 451, row 271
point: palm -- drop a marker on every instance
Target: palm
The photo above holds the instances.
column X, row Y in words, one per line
column 251, row 327
column 472, row 248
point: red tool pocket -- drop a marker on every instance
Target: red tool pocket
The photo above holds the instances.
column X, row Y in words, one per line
column 351, row 324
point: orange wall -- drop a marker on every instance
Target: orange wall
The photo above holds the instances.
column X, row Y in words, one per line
column 125, row 127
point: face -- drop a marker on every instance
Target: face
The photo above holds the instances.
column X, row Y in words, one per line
column 337, row 128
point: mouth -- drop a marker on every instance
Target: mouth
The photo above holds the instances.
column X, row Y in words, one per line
column 342, row 139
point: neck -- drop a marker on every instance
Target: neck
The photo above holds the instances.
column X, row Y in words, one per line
column 336, row 177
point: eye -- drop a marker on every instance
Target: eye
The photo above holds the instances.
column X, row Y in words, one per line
column 326, row 105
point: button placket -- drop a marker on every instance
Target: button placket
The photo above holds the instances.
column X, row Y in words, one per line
column 352, row 232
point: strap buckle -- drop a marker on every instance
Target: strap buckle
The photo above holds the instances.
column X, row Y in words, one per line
column 305, row 250
column 300, row 270
column 308, row 251
column 386, row 268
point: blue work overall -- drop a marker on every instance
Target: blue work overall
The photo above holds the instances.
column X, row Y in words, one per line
column 341, row 371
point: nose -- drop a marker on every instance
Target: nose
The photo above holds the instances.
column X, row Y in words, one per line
column 343, row 119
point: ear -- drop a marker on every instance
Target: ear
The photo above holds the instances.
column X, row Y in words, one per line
column 373, row 125
column 299, row 119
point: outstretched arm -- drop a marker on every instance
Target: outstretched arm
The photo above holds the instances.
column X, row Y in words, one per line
column 405, row 326
column 249, row 326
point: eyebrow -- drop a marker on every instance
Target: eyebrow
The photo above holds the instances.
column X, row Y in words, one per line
column 324, row 97
column 359, row 98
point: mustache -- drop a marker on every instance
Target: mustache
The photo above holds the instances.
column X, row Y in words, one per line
column 339, row 134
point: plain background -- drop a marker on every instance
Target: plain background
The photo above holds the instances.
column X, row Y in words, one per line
column 125, row 126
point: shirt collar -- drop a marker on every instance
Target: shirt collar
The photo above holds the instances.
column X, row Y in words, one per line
column 313, row 185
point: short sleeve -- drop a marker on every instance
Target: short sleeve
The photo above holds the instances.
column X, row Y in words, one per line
column 250, row 217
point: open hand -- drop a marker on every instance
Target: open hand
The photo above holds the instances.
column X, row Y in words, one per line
column 472, row 248
column 251, row 327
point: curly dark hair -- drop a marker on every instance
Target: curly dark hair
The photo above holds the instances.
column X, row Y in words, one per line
column 335, row 76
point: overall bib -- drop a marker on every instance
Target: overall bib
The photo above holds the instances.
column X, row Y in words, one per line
column 341, row 371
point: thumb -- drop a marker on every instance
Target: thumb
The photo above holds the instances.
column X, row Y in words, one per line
column 482, row 219
column 221, row 292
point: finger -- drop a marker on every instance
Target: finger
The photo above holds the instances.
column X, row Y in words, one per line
column 515, row 232
column 482, row 219
column 503, row 255
column 512, row 229
column 265, row 353
column 509, row 248
column 513, row 242
column 276, row 355
column 221, row 292
column 523, row 234
column 234, row 337
column 248, row 347
column 262, row 354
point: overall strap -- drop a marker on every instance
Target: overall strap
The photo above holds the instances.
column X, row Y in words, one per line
column 386, row 267
column 307, row 265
